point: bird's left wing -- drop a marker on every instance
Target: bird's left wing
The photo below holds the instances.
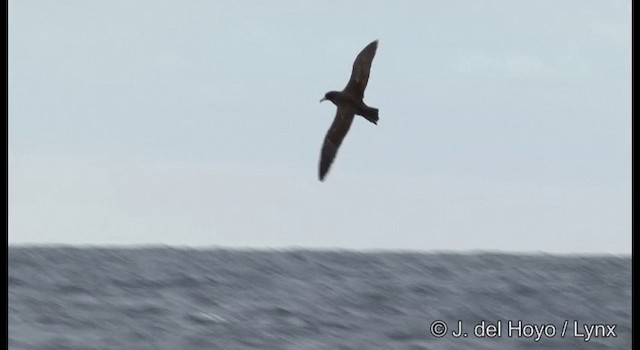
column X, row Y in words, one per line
column 360, row 72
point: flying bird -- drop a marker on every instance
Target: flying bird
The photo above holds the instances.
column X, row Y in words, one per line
column 349, row 103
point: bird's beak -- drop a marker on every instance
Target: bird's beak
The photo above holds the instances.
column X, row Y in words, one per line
column 323, row 99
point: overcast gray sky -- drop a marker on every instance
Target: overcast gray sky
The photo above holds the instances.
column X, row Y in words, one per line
column 504, row 125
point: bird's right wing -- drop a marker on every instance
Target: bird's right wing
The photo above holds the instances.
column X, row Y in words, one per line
column 360, row 71
column 335, row 135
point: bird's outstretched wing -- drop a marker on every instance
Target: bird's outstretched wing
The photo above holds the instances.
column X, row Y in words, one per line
column 360, row 71
column 335, row 135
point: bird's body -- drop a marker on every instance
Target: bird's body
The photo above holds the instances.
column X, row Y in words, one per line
column 349, row 103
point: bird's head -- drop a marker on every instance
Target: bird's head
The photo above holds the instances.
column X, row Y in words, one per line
column 330, row 96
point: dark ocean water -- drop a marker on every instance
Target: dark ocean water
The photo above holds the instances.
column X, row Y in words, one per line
column 163, row 298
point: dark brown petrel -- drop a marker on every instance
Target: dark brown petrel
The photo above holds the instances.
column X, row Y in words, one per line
column 349, row 103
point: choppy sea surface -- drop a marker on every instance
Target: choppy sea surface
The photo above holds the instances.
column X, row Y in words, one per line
column 168, row 298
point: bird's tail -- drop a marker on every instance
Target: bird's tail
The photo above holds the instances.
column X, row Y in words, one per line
column 371, row 114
